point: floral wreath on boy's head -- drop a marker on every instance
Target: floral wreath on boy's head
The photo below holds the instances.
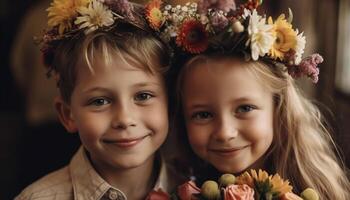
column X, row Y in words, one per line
column 221, row 26
column 68, row 19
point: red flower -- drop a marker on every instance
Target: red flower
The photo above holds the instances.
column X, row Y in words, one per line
column 192, row 37
column 158, row 195
column 186, row 190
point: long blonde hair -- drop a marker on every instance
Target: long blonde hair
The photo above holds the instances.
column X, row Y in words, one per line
column 303, row 150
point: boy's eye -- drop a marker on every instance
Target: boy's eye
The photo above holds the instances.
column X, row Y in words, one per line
column 99, row 102
column 202, row 115
column 245, row 108
column 143, row 96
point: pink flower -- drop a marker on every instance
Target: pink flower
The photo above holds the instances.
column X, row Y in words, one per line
column 238, row 192
column 186, row 190
column 219, row 21
column 291, row 196
column 123, row 7
column 158, row 195
column 224, row 5
column 307, row 67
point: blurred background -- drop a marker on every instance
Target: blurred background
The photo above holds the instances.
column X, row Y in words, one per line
column 33, row 143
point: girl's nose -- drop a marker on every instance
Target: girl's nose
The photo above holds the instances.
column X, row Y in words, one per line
column 226, row 129
column 123, row 116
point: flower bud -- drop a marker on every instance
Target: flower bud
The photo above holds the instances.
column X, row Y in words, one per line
column 309, row 194
column 237, row 27
column 227, row 179
column 210, row 190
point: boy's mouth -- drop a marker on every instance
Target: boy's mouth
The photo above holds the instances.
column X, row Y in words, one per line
column 126, row 142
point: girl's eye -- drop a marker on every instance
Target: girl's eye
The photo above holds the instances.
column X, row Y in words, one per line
column 99, row 102
column 142, row 96
column 245, row 108
column 202, row 115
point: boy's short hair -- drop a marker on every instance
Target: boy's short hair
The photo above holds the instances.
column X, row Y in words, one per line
column 126, row 41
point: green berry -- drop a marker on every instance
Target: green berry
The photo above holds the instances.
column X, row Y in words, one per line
column 226, row 180
column 210, row 190
column 309, row 194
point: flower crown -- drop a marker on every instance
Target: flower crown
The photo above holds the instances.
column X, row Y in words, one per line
column 70, row 18
column 221, row 26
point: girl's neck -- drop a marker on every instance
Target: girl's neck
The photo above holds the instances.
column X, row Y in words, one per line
column 135, row 182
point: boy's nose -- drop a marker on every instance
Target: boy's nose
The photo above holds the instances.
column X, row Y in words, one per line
column 226, row 129
column 123, row 117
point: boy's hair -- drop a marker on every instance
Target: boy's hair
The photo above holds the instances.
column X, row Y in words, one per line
column 302, row 149
column 127, row 42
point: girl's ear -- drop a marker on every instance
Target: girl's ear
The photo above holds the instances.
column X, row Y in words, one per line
column 65, row 114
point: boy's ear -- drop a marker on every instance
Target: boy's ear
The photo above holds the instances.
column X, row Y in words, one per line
column 65, row 114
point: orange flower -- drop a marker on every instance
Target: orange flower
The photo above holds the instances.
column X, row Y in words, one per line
column 154, row 14
column 158, row 195
column 186, row 190
column 192, row 36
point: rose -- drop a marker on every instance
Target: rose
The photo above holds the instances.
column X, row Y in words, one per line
column 186, row 190
column 238, row 192
column 158, row 195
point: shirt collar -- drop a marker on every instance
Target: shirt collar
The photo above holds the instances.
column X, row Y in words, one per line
column 88, row 184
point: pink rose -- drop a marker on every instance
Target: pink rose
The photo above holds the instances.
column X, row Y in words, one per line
column 158, row 195
column 291, row 196
column 239, row 192
column 186, row 190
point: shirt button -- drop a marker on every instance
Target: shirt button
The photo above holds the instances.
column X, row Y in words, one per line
column 115, row 195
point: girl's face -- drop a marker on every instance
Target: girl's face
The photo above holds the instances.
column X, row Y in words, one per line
column 120, row 112
column 228, row 114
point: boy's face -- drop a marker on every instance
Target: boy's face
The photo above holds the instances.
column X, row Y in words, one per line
column 120, row 112
column 229, row 115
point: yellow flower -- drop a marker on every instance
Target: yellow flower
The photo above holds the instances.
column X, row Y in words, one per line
column 279, row 185
column 154, row 14
column 62, row 13
column 260, row 176
column 245, row 178
column 286, row 38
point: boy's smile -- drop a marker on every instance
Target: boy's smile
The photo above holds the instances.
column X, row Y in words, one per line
column 120, row 112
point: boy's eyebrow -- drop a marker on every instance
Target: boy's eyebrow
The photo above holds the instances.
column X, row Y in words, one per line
column 95, row 89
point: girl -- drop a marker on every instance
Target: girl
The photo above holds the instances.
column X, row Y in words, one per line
column 239, row 107
column 249, row 115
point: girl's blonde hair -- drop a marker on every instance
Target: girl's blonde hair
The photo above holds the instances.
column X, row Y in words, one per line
column 133, row 45
column 302, row 149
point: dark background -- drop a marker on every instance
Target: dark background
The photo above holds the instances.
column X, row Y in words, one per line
column 28, row 152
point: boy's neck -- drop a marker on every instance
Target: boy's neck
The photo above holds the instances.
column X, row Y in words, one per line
column 136, row 182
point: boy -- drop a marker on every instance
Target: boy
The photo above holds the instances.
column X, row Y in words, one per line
column 110, row 74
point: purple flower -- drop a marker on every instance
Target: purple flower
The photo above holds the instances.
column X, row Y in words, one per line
column 307, row 67
column 218, row 21
column 224, row 5
column 122, row 7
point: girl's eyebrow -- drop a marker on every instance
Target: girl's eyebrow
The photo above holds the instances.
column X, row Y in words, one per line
column 145, row 84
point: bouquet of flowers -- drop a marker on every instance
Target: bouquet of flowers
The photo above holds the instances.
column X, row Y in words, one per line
column 248, row 186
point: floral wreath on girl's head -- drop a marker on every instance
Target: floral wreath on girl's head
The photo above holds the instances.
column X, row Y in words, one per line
column 221, row 26
column 71, row 18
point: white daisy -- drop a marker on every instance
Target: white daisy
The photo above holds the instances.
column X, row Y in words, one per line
column 299, row 49
column 95, row 16
column 261, row 36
